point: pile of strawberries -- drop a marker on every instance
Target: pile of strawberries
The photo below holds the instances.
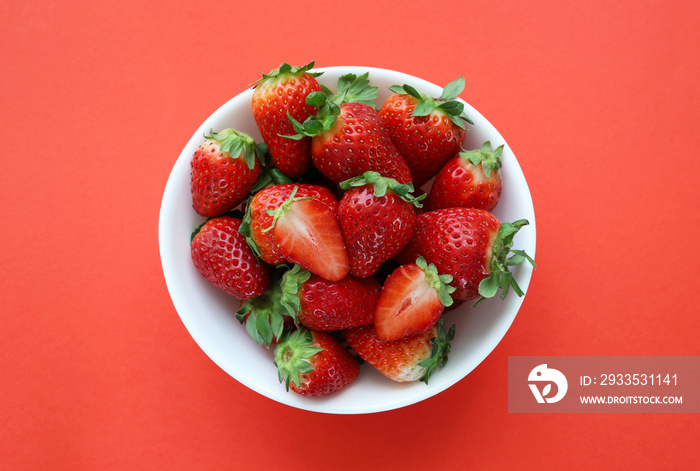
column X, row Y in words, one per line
column 323, row 233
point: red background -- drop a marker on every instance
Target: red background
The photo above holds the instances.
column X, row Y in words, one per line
column 598, row 100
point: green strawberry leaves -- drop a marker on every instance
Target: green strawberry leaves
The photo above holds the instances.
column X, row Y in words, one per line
column 440, row 349
column 440, row 283
column 381, row 185
column 355, row 89
column 263, row 317
column 290, row 287
column 286, row 69
column 247, row 232
column 446, row 102
column 488, row 158
column 237, row 144
column 452, row 90
column 501, row 277
column 293, row 356
column 350, row 89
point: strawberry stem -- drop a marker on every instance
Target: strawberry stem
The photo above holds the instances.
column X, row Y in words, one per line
column 286, row 69
column 446, row 103
column 351, row 89
column 441, row 348
column 490, row 160
column 263, row 316
column 440, row 283
column 500, row 276
column 292, row 356
column 290, row 287
column 381, row 185
column 236, row 143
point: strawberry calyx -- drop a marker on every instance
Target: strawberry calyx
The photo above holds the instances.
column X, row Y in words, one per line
column 293, row 356
column 351, row 89
column 290, row 287
column 285, row 70
column 502, row 258
column 488, row 158
column 268, row 177
column 354, row 89
column 445, row 102
column 246, row 230
column 440, row 283
column 440, row 349
column 284, row 208
column 381, row 185
column 263, row 317
column 237, row 143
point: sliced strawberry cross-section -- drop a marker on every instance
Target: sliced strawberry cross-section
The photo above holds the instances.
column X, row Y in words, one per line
column 308, row 234
column 412, row 300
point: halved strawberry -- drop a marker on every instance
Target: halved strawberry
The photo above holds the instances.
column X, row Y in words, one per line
column 260, row 207
column 325, row 305
column 411, row 358
column 314, row 363
column 412, row 300
column 307, row 233
column 470, row 180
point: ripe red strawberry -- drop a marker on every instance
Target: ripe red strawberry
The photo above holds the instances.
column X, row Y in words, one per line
column 348, row 136
column 267, row 200
column 314, row 363
column 411, row 358
column 278, row 94
column 325, row 305
column 223, row 171
column 472, row 246
column 412, row 300
column 470, row 180
column 307, row 233
column 221, row 254
column 426, row 131
column 377, row 217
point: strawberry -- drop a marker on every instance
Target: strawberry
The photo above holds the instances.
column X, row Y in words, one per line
column 325, row 305
column 314, row 363
column 307, row 233
column 348, row 136
column 411, row 358
column 264, row 316
column 412, row 300
column 279, row 94
column 221, row 254
column 258, row 218
column 470, row 180
column 426, row 131
column 223, row 170
column 472, row 246
column 377, row 217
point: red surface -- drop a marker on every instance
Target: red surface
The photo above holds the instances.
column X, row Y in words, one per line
column 598, row 100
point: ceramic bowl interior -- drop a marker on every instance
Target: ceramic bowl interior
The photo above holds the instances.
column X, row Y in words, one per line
column 208, row 314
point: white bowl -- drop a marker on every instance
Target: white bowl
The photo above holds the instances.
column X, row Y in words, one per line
column 208, row 314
